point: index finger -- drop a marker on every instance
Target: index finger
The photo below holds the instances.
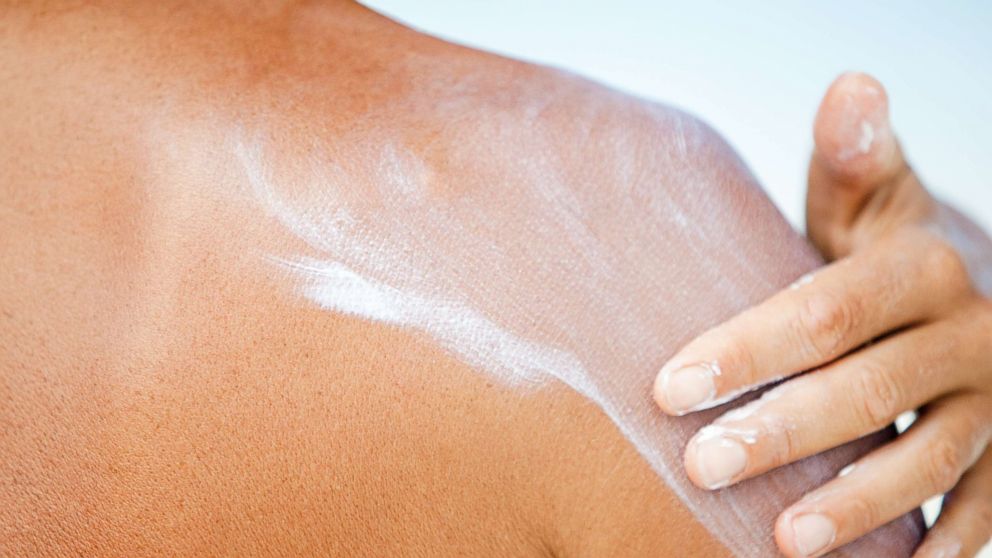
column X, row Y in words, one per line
column 888, row 285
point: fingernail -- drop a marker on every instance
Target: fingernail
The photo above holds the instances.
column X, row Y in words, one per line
column 949, row 548
column 719, row 460
column 813, row 532
column 689, row 387
column 865, row 121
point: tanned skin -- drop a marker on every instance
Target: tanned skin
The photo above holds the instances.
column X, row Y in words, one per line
column 163, row 391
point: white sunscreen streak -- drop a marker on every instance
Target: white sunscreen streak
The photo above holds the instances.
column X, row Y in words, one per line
column 456, row 326
column 459, row 328
column 412, row 262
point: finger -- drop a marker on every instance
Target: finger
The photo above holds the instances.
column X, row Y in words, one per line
column 857, row 395
column 860, row 186
column 926, row 460
column 965, row 521
column 904, row 279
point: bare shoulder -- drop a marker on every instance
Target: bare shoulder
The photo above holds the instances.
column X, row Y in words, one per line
column 299, row 272
column 197, row 333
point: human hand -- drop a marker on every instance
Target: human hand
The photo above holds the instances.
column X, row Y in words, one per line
column 896, row 322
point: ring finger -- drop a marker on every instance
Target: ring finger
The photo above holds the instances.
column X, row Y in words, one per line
column 926, row 460
column 965, row 521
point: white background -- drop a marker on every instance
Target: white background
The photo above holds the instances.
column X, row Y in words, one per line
column 756, row 71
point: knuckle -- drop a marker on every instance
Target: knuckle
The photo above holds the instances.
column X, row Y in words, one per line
column 791, row 446
column 946, row 265
column 878, row 395
column 966, row 341
column 737, row 359
column 864, row 512
column 826, row 322
column 942, row 468
column 836, row 240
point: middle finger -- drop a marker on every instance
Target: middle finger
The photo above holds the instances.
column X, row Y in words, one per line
column 850, row 398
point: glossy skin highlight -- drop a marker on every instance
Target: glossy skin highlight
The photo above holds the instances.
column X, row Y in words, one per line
column 173, row 387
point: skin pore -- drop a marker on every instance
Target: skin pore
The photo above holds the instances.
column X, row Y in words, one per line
column 294, row 279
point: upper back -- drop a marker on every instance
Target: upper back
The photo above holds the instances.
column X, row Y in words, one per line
column 301, row 280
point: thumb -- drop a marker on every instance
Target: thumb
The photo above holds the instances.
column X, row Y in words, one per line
column 860, row 186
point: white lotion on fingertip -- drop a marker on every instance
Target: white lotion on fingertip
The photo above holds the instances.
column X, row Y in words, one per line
column 806, row 279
